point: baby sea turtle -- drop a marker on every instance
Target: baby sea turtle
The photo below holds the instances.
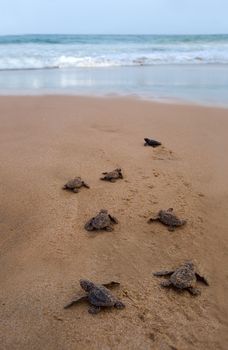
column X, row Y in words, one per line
column 103, row 221
column 152, row 143
column 168, row 218
column 74, row 185
column 98, row 296
column 112, row 176
column 184, row 277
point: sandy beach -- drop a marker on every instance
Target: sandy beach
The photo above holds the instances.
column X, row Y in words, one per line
column 45, row 250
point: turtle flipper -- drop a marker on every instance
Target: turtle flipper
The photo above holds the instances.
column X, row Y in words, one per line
column 183, row 222
column 163, row 273
column 201, row 279
column 166, row 284
column 120, row 174
column 154, row 218
column 109, row 228
column 194, row 291
column 94, row 309
column 111, row 284
column 85, row 184
column 113, row 219
column 119, row 305
column 75, row 301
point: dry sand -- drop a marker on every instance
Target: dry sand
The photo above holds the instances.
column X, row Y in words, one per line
column 44, row 141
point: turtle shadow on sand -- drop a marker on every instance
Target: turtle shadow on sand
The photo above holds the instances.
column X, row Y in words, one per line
column 98, row 296
column 168, row 218
column 102, row 221
column 184, row 277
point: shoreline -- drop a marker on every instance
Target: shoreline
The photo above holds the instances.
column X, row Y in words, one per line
column 201, row 85
column 45, row 141
column 116, row 96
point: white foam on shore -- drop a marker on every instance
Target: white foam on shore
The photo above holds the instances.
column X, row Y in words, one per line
column 63, row 61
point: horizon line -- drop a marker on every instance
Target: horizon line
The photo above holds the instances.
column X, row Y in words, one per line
column 109, row 34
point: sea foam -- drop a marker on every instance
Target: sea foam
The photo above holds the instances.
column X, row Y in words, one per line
column 72, row 51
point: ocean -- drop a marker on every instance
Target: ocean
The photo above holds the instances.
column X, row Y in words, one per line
column 190, row 68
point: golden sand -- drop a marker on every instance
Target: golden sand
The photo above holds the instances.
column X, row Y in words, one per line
column 45, row 250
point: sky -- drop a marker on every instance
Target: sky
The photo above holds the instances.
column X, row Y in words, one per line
column 113, row 16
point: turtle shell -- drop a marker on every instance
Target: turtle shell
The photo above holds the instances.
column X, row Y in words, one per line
column 102, row 220
column 74, row 183
column 183, row 278
column 101, row 296
column 152, row 142
column 169, row 219
column 115, row 174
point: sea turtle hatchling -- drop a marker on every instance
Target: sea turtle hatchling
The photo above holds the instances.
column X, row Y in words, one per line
column 152, row 143
column 184, row 277
column 74, row 185
column 168, row 218
column 98, row 296
column 102, row 221
column 112, row 176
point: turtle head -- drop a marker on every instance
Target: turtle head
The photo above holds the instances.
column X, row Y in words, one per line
column 103, row 211
column 146, row 139
column 189, row 265
column 86, row 285
column 118, row 170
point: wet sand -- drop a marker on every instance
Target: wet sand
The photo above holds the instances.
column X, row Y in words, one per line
column 45, row 250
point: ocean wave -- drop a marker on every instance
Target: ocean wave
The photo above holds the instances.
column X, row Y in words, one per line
column 66, row 39
column 81, row 51
column 22, row 63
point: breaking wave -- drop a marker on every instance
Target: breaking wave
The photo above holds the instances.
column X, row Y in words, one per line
column 72, row 51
